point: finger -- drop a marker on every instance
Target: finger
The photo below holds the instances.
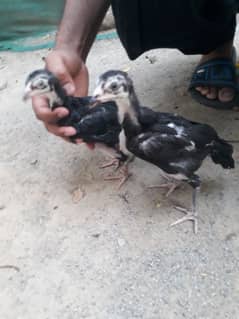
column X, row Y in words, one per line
column 43, row 113
column 212, row 94
column 226, row 94
column 199, row 88
column 41, row 109
column 60, row 131
column 55, row 64
column 204, row 90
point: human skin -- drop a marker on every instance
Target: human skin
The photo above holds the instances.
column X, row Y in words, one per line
column 77, row 31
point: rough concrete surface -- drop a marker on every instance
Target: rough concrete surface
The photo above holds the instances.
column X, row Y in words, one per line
column 111, row 254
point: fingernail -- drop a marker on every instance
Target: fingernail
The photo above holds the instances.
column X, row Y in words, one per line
column 69, row 132
column 70, row 89
column 62, row 114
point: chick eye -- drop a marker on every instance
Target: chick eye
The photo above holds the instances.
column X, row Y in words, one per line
column 114, row 86
column 40, row 84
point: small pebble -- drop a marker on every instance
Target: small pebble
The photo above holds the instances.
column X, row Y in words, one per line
column 2, row 207
column 152, row 59
column 158, row 205
column 96, row 235
column 121, row 242
column 127, row 69
column 34, row 162
column 77, row 195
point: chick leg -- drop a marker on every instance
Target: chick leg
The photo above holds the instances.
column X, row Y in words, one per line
column 112, row 153
column 124, row 173
column 171, row 186
column 190, row 215
column 122, row 177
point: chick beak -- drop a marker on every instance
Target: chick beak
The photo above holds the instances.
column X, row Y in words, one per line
column 93, row 100
column 98, row 94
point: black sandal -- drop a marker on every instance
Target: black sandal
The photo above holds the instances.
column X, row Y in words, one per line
column 220, row 73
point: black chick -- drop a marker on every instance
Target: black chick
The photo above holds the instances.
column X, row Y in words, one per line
column 98, row 125
column 176, row 145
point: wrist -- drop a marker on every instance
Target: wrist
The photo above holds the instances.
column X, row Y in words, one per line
column 79, row 26
column 75, row 47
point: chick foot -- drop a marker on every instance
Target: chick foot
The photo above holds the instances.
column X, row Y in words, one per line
column 171, row 186
column 114, row 162
column 123, row 177
column 190, row 216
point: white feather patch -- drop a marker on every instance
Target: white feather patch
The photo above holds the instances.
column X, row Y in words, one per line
column 181, row 164
column 53, row 99
column 122, row 142
column 190, row 147
column 147, row 144
column 178, row 129
column 124, row 108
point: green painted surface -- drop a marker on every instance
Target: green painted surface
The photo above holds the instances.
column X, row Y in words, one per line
column 24, row 24
column 22, row 18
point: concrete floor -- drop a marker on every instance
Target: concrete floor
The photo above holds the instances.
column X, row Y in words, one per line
column 112, row 253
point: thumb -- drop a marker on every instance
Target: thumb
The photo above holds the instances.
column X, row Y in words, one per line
column 69, row 87
column 56, row 65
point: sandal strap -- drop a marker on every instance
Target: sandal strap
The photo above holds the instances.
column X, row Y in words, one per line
column 217, row 73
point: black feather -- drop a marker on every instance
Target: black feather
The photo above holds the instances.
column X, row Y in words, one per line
column 78, row 107
column 97, row 124
column 100, row 125
column 175, row 144
column 221, row 153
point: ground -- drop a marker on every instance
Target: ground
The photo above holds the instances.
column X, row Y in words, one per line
column 83, row 249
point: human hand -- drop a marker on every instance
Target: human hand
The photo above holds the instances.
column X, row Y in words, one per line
column 73, row 75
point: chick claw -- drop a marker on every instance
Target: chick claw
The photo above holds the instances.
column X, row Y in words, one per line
column 171, row 186
column 113, row 162
column 122, row 178
column 190, row 216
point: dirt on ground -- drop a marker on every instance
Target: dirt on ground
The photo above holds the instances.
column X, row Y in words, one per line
column 74, row 246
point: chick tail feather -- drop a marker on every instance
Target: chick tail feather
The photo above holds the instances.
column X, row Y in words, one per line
column 221, row 153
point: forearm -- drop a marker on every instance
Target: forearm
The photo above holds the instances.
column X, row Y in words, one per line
column 80, row 23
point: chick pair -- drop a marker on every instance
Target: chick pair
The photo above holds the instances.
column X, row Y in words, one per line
column 98, row 126
column 175, row 145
